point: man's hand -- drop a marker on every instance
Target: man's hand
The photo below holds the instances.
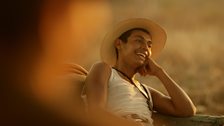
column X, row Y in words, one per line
column 149, row 68
column 178, row 102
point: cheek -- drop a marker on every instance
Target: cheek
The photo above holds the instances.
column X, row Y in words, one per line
column 130, row 51
column 150, row 52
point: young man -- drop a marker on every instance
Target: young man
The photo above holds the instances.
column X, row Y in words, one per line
column 130, row 48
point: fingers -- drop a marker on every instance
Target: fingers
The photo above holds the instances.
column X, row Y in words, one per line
column 150, row 60
column 142, row 71
column 150, row 66
column 145, row 71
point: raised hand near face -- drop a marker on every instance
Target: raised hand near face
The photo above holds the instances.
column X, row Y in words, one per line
column 149, row 68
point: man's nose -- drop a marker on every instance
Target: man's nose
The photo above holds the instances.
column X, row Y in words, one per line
column 145, row 49
column 145, row 45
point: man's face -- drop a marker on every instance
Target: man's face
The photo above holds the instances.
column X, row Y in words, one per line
column 137, row 48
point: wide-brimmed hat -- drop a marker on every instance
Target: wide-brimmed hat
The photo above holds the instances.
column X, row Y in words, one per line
column 158, row 34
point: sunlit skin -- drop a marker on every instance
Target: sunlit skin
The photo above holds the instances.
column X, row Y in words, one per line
column 138, row 45
column 130, row 61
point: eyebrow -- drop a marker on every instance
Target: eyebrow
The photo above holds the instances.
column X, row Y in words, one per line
column 138, row 36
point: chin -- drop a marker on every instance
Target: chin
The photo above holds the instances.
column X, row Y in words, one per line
column 140, row 63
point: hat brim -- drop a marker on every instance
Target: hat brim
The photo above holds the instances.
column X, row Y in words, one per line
column 158, row 34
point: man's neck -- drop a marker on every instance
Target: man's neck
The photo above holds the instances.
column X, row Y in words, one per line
column 127, row 69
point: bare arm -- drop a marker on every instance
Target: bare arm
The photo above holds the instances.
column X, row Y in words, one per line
column 97, row 84
column 177, row 103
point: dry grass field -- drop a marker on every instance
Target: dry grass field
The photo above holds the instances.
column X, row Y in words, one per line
column 194, row 49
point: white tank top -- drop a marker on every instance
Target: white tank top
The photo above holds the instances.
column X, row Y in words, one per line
column 125, row 99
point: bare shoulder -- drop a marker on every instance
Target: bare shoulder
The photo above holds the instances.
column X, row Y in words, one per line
column 99, row 73
column 100, row 67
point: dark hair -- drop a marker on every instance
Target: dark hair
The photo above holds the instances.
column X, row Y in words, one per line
column 124, row 36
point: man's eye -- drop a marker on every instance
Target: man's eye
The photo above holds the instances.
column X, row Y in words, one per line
column 138, row 40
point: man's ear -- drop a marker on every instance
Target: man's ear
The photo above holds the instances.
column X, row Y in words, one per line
column 117, row 43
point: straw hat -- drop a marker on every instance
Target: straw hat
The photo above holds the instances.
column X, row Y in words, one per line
column 108, row 51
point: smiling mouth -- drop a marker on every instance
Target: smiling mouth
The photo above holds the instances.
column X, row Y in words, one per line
column 142, row 55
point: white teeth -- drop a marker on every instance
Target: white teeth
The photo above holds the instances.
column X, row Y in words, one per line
column 141, row 54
